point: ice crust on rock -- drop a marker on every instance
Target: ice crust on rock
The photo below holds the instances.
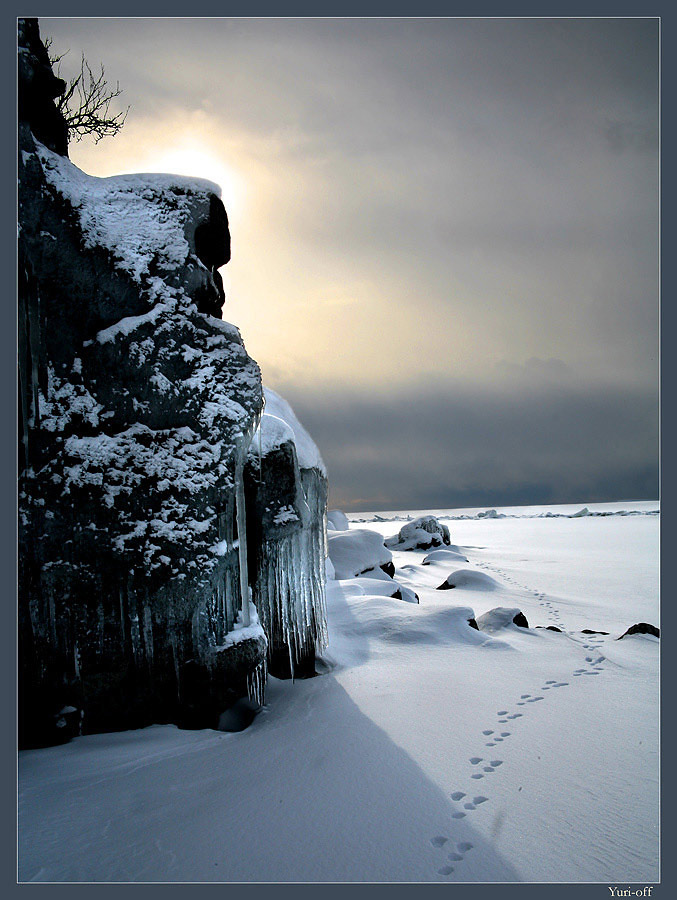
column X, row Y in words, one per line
column 278, row 424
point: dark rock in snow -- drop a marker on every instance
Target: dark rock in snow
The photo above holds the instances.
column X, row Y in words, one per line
column 473, row 624
column 420, row 534
column 590, row 631
column 521, row 620
column 389, row 569
column 641, row 628
column 240, row 715
column 550, row 628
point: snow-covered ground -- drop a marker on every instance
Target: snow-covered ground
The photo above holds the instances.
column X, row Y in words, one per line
column 429, row 751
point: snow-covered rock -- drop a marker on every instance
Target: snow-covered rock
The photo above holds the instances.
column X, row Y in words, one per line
column 337, row 520
column 501, row 617
column 448, row 555
column 470, row 579
column 357, row 551
column 421, row 534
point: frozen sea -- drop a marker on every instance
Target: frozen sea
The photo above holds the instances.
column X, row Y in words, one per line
column 427, row 751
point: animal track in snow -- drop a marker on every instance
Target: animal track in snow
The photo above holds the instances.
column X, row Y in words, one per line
column 457, row 795
column 464, row 846
column 458, row 815
column 502, row 712
column 455, row 857
column 477, row 775
column 506, row 733
column 488, row 731
column 475, row 760
column 496, row 762
column 446, row 870
column 480, row 799
column 534, row 699
column 439, row 840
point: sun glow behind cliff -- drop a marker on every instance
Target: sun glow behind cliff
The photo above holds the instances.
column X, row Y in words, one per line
column 188, row 158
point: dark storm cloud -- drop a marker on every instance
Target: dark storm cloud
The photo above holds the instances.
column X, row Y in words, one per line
column 546, row 443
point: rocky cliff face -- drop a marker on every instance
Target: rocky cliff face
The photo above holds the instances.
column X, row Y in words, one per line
column 137, row 410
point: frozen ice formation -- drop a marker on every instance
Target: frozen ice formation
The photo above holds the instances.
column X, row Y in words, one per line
column 287, row 503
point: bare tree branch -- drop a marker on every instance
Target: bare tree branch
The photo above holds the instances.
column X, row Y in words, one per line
column 85, row 104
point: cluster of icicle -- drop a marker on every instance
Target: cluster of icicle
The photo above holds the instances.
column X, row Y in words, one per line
column 289, row 591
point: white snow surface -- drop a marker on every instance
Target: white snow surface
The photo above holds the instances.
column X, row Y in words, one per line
column 279, row 425
column 428, row 751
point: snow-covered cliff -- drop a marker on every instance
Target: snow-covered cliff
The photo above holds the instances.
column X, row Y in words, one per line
column 138, row 409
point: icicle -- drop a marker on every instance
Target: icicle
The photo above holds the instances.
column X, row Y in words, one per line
column 242, row 536
column 34, row 344
column 148, row 633
column 256, row 683
column 122, row 617
column 176, row 663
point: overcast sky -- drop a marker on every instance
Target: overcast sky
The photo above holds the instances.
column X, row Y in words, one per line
column 445, row 235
